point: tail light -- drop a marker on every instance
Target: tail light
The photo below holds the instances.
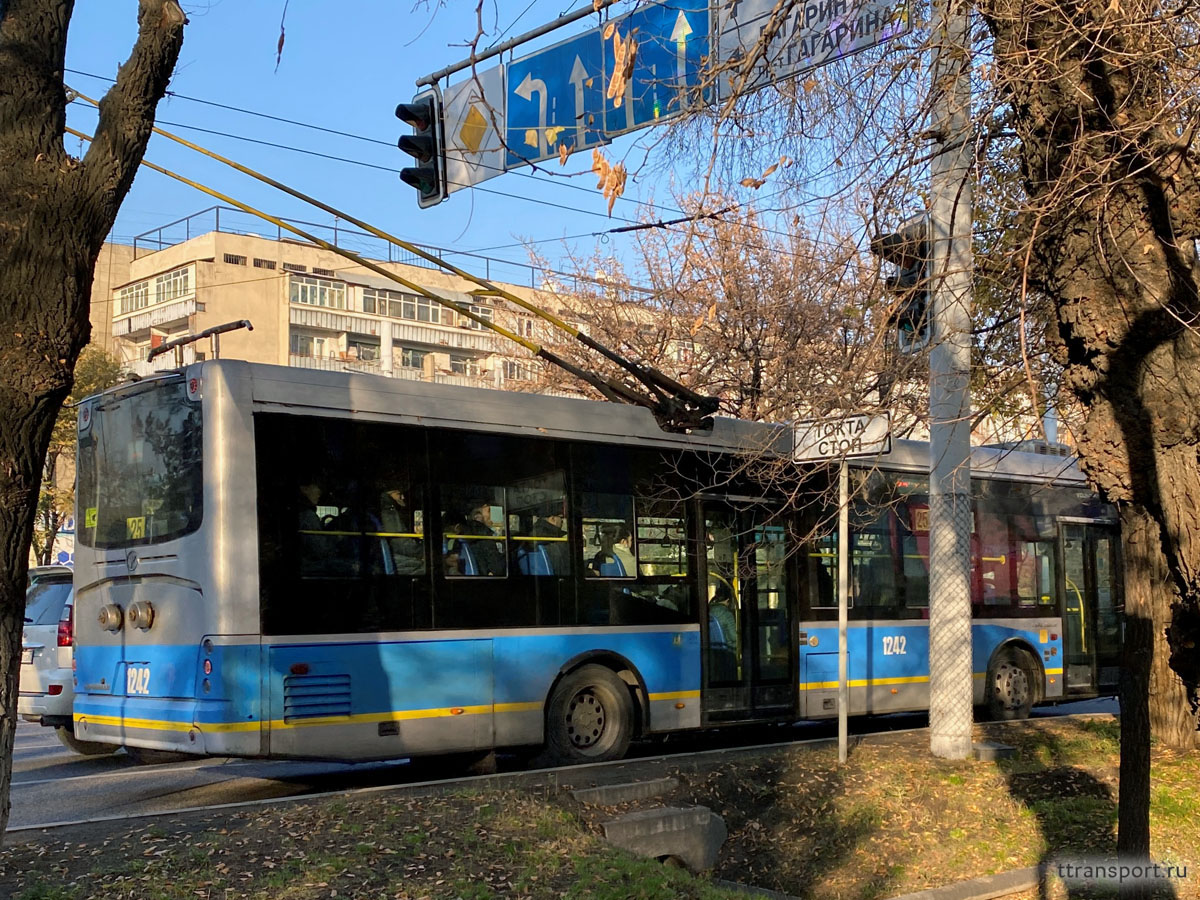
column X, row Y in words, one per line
column 66, row 626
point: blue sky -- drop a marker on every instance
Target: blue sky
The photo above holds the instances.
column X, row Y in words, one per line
column 345, row 66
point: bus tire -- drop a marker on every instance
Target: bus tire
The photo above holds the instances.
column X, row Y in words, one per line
column 589, row 717
column 1011, row 688
column 86, row 748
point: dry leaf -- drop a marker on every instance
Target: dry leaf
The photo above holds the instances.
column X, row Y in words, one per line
column 597, row 5
column 563, row 153
column 608, row 31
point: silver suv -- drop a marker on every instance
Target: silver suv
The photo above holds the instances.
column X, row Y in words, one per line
column 47, row 689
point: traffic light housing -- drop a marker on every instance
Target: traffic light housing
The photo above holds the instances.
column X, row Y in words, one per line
column 909, row 251
column 424, row 116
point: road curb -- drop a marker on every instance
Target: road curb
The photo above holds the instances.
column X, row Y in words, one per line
column 984, row 888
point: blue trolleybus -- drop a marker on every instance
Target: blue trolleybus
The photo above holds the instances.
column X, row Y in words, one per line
column 295, row 563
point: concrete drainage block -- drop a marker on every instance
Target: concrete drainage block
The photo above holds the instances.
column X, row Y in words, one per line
column 693, row 836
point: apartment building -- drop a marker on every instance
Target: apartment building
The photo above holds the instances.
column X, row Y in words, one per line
column 311, row 307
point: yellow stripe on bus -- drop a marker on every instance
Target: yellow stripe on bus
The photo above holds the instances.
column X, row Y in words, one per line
column 863, row 682
column 361, row 719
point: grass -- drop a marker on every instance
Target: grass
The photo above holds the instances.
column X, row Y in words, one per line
column 891, row 821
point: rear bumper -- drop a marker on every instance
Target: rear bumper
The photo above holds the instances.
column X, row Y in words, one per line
column 181, row 726
column 34, row 706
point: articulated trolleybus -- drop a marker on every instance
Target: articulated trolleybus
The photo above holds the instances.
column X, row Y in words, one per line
column 294, row 563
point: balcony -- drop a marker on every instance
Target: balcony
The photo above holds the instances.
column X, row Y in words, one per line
column 336, row 364
column 444, row 336
column 332, row 320
column 155, row 317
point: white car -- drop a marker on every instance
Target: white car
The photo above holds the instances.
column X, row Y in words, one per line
column 47, row 689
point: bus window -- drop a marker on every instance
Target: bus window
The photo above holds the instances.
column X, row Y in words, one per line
column 609, row 546
column 822, row 573
column 537, row 509
column 473, row 532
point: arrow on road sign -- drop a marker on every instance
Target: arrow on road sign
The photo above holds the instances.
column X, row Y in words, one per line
column 525, row 90
column 679, row 35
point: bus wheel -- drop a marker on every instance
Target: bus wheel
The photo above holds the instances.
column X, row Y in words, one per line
column 590, row 717
column 87, row 748
column 1010, row 686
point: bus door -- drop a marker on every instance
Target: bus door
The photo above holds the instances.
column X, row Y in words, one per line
column 1092, row 607
column 748, row 654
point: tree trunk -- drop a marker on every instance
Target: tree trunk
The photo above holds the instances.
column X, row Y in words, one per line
column 1144, row 570
column 1110, row 228
column 1114, row 211
column 54, row 214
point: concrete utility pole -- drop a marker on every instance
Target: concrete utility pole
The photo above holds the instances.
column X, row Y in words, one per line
column 951, row 213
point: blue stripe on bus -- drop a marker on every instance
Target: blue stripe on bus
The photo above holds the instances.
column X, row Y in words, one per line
column 386, row 677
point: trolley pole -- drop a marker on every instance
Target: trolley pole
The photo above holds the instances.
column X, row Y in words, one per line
column 843, row 607
column 950, row 686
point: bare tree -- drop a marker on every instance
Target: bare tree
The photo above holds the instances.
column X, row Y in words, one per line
column 776, row 326
column 55, row 211
column 94, row 371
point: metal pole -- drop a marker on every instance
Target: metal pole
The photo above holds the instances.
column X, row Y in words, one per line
column 843, row 606
column 950, row 686
column 567, row 19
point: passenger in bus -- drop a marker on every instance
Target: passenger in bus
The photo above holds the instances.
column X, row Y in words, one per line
column 722, row 620
column 487, row 555
column 396, row 518
column 622, row 549
column 310, row 496
column 556, row 549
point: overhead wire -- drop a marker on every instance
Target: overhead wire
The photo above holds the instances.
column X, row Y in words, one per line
column 608, row 387
column 673, row 403
column 559, row 180
column 492, row 191
column 632, row 225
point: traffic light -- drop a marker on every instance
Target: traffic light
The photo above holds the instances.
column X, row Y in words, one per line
column 909, row 251
column 424, row 116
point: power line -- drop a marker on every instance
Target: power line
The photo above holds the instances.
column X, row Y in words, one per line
column 340, row 133
column 547, row 203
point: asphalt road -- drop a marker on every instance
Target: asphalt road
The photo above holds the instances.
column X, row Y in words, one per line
column 52, row 785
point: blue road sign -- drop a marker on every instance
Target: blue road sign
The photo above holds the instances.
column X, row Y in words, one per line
column 672, row 39
column 555, row 98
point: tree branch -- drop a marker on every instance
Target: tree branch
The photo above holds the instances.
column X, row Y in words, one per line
column 127, row 110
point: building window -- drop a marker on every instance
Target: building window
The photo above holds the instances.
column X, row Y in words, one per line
column 234, row 260
column 307, row 345
column 329, row 272
column 516, row 371
column 484, row 312
column 172, row 285
column 682, row 351
column 412, row 359
column 264, row 263
column 464, row 365
column 136, row 296
column 399, row 305
column 294, row 267
column 318, row 292
column 364, row 350
column 525, row 326
column 302, row 345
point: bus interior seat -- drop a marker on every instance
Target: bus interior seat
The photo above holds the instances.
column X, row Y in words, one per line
column 534, row 560
column 466, row 559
